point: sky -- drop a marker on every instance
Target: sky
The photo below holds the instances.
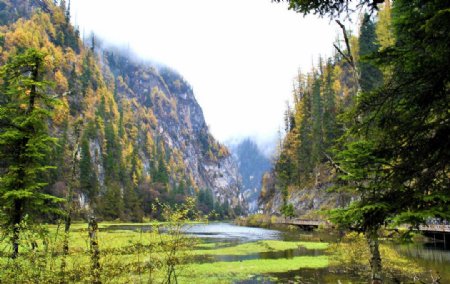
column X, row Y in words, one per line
column 240, row 56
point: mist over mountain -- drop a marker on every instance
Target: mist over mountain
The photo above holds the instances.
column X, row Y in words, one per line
column 252, row 165
column 129, row 131
column 266, row 143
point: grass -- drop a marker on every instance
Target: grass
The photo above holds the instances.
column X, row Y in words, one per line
column 137, row 256
column 352, row 254
column 225, row 272
column 129, row 256
column 257, row 247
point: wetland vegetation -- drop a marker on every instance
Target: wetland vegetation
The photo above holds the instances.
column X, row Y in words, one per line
column 87, row 133
column 209, row 253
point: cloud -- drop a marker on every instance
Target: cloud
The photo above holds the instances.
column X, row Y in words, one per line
column 239, row 56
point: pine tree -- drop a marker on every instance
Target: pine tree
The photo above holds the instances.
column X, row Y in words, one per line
column 331, row 8
column 86, row 172
column 384, row 28
column 398, row 160
column 370, row 76
column 112, row 205
column 316, row 117
column 363, row 175
column 305, row 135
column 24, row 141
column 330, row 126
column 113, row 153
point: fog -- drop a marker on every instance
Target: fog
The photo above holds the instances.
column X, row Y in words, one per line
column 240, row 57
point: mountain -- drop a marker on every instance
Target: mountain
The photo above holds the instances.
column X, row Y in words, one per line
column 252, row 165
column 129, row 132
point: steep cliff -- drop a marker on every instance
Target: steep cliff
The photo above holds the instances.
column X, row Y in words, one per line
column 180, row 125
column 135, row 130
column 309, row 200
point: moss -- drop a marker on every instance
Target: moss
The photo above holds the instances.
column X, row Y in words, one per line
column 261, row 246
column 128, row 256
column 208, row 246
column 224, row 272
column 352, row 254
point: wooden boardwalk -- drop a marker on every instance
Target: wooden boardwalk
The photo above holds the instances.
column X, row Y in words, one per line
column 435, row 228
column 438, row 228
column 300, row 222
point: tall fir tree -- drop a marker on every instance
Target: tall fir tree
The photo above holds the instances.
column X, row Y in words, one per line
column 25, row 108
column 398, row 160
column 330, row 127
column 316, row 118
column 88, row 177
column 370, row 76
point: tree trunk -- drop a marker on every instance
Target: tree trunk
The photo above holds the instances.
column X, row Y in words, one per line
column 69, row 198
column 375, row 258
column 18, row 203
column 95, row 251
column 16, row 220
column 65, row 247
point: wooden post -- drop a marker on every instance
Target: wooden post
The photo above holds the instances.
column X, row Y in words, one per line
column 95, row 251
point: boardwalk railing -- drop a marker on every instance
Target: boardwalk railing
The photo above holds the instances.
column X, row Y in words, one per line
column 435, row 228
column 300, row 222
column 304, row 222
column 316, row 223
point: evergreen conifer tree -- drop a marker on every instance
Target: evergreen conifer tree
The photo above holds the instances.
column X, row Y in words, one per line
column 370, row 76
column 24, row 141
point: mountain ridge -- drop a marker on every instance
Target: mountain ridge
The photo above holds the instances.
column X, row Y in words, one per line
column 141, row 134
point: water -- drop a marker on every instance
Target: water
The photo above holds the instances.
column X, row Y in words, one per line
column 227, row 232
column 429, row 256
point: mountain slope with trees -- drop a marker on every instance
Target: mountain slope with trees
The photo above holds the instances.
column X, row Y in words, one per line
column 387, row 147
column 127, row 133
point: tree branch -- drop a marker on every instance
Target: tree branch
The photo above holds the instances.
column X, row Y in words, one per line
column 342, row 53
column 349, row 56
column 335, row 165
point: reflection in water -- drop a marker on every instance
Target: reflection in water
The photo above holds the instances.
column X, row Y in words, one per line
column 428, row 256
column 226, row 231
column 287, row 254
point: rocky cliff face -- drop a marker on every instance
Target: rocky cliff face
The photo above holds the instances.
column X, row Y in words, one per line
column 181, row 125
column 308, row 201
column 137, row 129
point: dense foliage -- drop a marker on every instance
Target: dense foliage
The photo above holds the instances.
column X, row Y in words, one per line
column 24, row 141
column 388, row 139
column 332, row 8
column 312, row 126
column 117, row 116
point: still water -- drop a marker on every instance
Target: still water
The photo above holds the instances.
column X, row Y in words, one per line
column 227, row 232
column 431, row 257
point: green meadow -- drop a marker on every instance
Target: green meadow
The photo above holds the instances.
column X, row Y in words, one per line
column 163, row 253
column 145, row 255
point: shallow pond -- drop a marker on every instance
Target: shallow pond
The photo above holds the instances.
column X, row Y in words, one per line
column 229, row 236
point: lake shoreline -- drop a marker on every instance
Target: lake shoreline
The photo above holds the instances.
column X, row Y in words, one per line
column 213, row 252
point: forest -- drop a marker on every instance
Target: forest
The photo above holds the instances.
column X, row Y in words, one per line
column 106, row 119
column 106, row 161
column 372, row 122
